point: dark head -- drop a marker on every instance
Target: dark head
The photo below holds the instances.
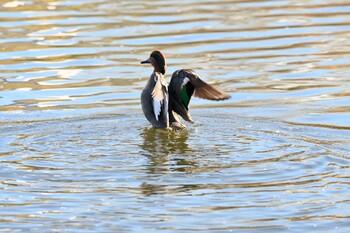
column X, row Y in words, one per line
column 158, row 61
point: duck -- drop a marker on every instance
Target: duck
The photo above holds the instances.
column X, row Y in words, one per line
column 164, row 104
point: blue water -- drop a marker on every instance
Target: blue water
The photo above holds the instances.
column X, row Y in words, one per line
column 77, row 154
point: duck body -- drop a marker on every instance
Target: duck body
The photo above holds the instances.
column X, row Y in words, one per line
column 154, row 101
column 163, row 105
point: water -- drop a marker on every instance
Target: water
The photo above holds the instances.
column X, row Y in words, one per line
column 77, row 155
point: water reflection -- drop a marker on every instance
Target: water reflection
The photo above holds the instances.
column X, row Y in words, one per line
column 161, row 142
column 162, row 146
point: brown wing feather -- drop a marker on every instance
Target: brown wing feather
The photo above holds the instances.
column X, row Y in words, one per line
column 201, row 90
column 204, row 90
column 209, row 92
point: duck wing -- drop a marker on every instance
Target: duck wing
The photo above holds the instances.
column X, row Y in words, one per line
column 183, row 85
column 160, row 99
column 180, row 93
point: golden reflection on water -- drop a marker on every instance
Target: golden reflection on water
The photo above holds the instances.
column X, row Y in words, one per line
column 164, row 141
column 76, row 151
column 293, row 52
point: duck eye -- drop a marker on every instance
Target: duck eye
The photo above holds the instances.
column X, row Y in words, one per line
column 158, row 59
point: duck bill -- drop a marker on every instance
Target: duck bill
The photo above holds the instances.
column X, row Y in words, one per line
column 146, row 61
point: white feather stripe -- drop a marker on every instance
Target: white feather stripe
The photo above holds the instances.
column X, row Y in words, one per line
column 184, row 82
column 157, row 106
column 166, row 108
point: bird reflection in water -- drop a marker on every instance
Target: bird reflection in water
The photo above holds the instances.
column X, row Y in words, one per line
column 166, row 151
column 161, row 142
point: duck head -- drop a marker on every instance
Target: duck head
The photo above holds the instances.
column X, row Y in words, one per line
column 158, row 61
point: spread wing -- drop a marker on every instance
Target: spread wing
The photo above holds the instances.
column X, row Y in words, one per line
column 160, row 99
column 180, row 93
column 183, row 85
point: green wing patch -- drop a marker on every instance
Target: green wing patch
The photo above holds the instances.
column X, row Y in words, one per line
column 184, row 96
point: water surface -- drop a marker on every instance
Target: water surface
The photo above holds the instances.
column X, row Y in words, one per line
column 77, row 155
